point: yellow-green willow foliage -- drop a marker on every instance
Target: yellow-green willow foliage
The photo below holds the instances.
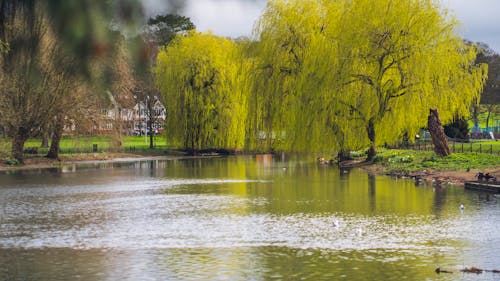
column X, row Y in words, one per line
column 347, row 73
column 405, row 58
column 292, row 104
column 201, row 78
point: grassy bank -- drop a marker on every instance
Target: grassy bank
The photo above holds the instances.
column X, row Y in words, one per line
column 91, row 144
column 75, row 148
column 388, row 160
column 474, row 145
column 395, row 160
column 494, row 117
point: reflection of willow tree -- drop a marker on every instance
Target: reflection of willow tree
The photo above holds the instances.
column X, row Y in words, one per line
column 324, row 264
column 315, row 190
column 200, row 77
column 323, row 63
column 440, row 195
column 372, row 190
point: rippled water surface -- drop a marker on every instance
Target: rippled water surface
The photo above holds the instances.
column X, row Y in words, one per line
column 239, row 218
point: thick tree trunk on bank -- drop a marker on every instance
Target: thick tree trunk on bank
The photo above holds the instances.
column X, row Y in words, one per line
column 56, row 140
column 437, row 134
column 18, row 140
column 370, row 130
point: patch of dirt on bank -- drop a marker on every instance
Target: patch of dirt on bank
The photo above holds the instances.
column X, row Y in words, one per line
column 356, row 163
column 37, row 162
column 459, row 177
column 97, row 156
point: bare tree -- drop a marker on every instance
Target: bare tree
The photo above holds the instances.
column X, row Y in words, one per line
column 26, row 87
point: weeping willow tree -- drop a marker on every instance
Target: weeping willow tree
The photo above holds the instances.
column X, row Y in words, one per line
column 296, row 78
column 405, row 57
column 333, row 76
column 284, row 36
column 201, row 78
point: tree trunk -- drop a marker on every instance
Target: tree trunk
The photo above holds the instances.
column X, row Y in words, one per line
column 45, row 140
column 370, row 130
column 344, row 155
column 56, row 139
column 437, row 134
column 150, row 125
column 475, row 116
column 116, row 138
column 18, row 140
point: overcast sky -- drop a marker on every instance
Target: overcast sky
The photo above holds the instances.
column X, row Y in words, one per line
column 480, row 20
column 233, row 18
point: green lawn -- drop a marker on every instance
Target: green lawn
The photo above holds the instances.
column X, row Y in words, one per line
column 413, row 160
column 482, row 146
column 493, row 121
column 391, row 159
column 85, row 144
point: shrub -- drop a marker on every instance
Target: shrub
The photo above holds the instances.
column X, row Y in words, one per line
column 11, row 161
column 358, row 154
column 378, row 159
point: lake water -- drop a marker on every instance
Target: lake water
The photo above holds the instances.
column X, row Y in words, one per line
column 239, row 218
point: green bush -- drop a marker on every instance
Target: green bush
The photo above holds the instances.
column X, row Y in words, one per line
column 430, row 159
column 378, row 159
column 11, row 161
column 407, row 159
column 400, row 159
column 358, row 154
